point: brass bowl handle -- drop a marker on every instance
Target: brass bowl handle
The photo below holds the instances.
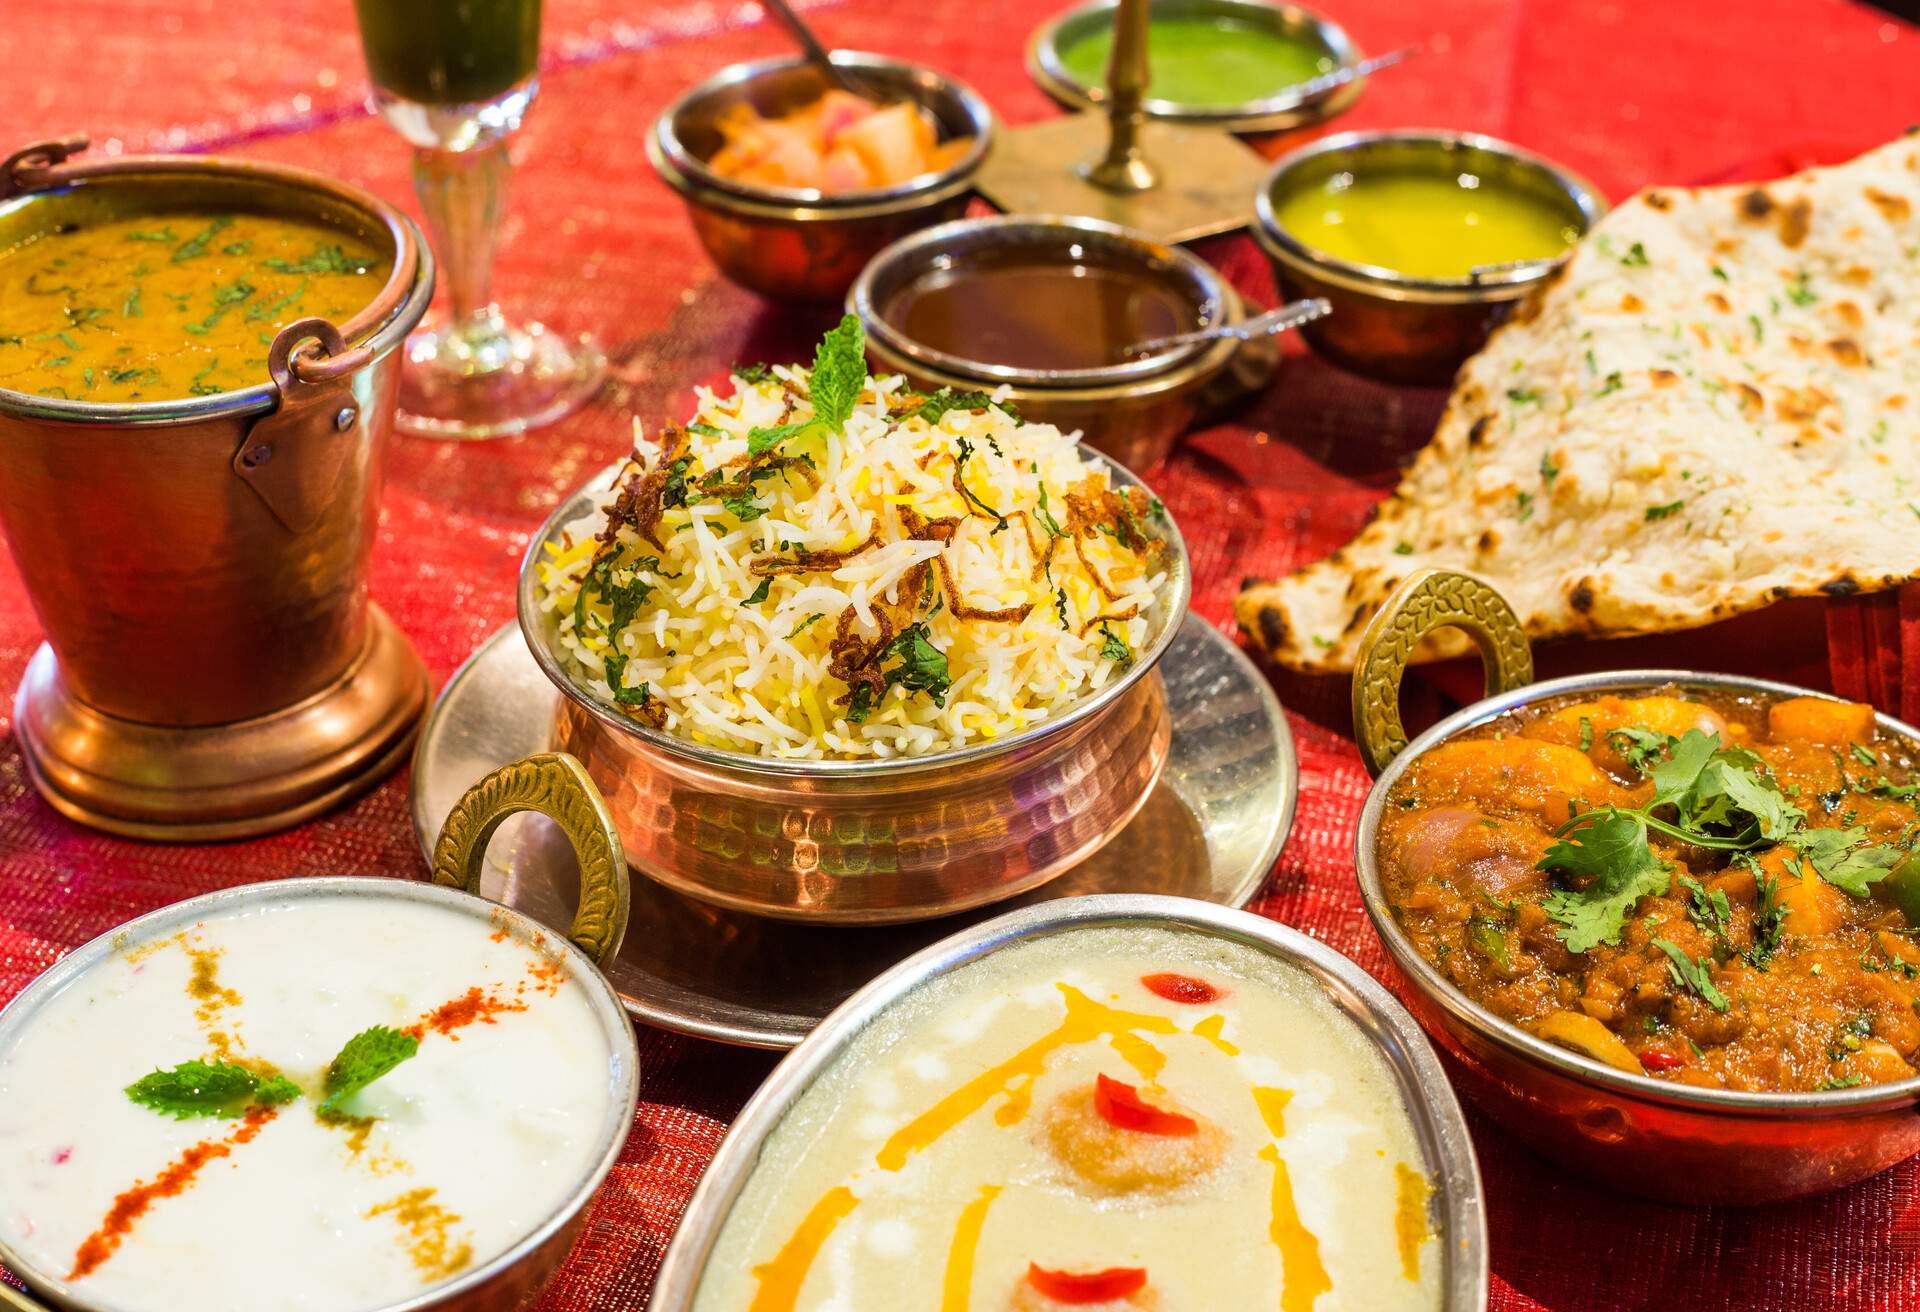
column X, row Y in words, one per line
column 1430, row 599
column 558, row 787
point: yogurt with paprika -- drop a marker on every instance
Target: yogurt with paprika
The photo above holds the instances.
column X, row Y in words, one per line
column 315, row 1102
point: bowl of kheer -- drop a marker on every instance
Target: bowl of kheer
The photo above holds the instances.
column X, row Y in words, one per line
column 1126, row 1101
column 342, row 1094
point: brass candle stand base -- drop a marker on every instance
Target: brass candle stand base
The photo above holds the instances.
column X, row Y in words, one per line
column 1204, row 180
column 198, row 783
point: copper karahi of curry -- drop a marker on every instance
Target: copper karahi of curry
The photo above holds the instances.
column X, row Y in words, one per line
column 1711, row 889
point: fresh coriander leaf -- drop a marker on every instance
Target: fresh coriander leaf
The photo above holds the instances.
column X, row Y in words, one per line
column 1113, row 647
column 1608, row 848
column 1864, row 756
column 1769, row 917
column 1640, row 748
column 196, row 245
column 1691, row 974
column 1586, row 734
column 1666, row 511
column 324, row 259
column 762, row 440
column 923, row 666
column 1679, row 773
column 1845, row 859
column 1548, row 470
column 804, row 625
column 366, row 1057
column 1047, row 521
column 705, row 429
column 1708, row 908
column 759, row 594
column 1840, row 1082
column 744, row 508
column 839, row 373
column 1489, row 938
column 674, row 492
column 754, row 374
column 1636, row 256
column 196, row 1088
column 937, row 405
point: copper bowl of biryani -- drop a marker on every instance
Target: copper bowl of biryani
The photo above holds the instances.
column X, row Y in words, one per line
column 781, row 205
column 1662, row 920
column 767, row 746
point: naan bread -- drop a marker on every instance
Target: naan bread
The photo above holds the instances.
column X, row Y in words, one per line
column 1713, row 406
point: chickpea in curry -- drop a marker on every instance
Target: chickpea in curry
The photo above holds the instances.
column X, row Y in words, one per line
column 1710, row 889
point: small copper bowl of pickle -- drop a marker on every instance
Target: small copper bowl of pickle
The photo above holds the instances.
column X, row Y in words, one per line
column 1666, row 922
column 793, row 183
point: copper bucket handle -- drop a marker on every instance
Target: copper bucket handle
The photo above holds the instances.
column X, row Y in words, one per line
column 292, row 458
column 312, row 351
column 35, row 167
column 1430, row 599
column 558, row 787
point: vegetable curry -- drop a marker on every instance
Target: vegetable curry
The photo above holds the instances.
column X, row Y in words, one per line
column 1711, row 889
column 156, row 307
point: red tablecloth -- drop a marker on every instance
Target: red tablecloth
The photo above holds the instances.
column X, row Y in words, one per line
column 1625, row 91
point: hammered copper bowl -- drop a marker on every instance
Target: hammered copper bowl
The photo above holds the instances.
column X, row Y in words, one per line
column 1641, row 1135
column 1133, row 412
column 866, row 841
column 1394, row 326
column 803, row 244
column 1260, row 122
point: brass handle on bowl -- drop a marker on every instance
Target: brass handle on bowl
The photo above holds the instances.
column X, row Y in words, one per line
column 1430, row 599
column 558, row 787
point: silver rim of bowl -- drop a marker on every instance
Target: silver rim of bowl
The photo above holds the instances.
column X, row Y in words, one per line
column 1045, row 66
column 1375, row 279
column 1431, row 1106
column 1044, row 229
column 607, row 1008
column 1565, row 1061
column 536, row 626
column 685, row 170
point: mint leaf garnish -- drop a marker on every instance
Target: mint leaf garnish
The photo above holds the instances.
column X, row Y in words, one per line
column 200, row 1088
column 368, row 1055
column 839, row 373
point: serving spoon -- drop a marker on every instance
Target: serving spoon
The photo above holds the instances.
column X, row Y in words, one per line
column 1273, row 322
column 1339, row 77
column 817, row 55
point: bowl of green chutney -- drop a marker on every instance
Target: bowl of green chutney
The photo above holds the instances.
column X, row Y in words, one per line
column 1231, row 64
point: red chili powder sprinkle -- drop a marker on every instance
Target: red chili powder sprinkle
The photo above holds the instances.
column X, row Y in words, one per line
column 133, row 1204
column 467, row 1009
column 1182, row 988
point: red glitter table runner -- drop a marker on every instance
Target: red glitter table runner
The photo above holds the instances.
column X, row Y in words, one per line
column 1626, row 93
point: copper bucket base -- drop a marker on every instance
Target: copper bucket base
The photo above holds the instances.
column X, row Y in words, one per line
column 195, row 783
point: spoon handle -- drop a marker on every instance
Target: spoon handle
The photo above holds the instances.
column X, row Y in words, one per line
column 1339, row 77
column 817, row 53
column 1287, row 317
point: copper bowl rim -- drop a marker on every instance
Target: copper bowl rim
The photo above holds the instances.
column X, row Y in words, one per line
column 919, row 248
column 1383, row 283
column 747, row 766
column 380, row 325
column 1267, row 113
column 689, row 175
column 606, row 1003
column 1551, row 1058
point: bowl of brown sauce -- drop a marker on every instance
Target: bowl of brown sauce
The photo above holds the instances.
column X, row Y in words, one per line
column 1664, row 921
column 1054, row 310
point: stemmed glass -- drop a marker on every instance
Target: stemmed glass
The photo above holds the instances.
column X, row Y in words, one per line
column 455, row 77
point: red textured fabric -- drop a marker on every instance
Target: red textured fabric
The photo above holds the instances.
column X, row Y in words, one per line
column 1627, row 91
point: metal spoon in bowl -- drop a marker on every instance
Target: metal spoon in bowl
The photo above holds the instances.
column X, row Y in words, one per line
column 817, row 54
column 1284, row 319
column 1339, row 77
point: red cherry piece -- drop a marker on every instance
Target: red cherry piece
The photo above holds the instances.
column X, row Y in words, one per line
column 1182, row 988
column 1121, row 1105
column 1087, row 1286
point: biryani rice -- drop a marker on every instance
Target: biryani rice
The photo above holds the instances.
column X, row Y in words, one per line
column 730, row 658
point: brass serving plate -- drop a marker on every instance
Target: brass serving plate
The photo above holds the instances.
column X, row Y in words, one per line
column 212, row 667
column 1210, row 829
column 871, row 841
column 1640, row 1135
column 589, row 934
column 1390, row 325
column 1457, row 1211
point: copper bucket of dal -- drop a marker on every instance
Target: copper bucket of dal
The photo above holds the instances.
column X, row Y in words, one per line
column 196, row 549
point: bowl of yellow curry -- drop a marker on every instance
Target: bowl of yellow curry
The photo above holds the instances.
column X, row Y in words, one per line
column 198, row 363
column 1423, row 241
column 1665, row 922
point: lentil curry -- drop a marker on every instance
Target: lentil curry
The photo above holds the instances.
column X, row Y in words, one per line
column 1711, row 889
column 156, row 307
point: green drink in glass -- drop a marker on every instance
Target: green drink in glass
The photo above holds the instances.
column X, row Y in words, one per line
column 455, row 78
